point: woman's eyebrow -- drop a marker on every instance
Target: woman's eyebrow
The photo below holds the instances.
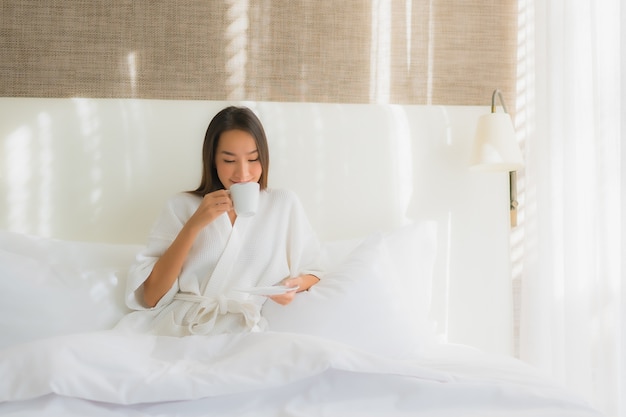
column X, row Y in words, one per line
column 234, row 154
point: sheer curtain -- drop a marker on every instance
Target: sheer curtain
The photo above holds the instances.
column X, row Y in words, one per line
column 568, row 111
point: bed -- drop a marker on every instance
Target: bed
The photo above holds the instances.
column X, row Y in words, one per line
column 412, row 318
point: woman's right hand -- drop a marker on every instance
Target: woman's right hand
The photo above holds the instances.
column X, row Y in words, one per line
column 212, row 206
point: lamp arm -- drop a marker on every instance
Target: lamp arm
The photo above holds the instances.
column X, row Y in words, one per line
column 512, row 174
column 493, row 101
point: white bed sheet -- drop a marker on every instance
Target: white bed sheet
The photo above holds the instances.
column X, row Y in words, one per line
column 327, row 380
column 58, row 357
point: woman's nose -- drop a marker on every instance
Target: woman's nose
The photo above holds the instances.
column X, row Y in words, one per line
column 242, row 170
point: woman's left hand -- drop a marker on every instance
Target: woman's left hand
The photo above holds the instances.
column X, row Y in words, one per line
column 303, row 282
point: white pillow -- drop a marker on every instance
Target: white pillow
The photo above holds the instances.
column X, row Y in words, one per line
column 377, row 298
column 50, row 287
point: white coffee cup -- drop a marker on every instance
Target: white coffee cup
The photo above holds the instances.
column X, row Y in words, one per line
column 245, row 197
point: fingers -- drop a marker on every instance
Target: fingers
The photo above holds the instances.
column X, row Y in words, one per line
column 219, row 200
column 291, row 282
column 212, row 206
column 283, row 299
column 289, row 296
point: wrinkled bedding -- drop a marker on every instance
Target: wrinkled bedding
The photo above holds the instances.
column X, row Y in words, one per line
column 118, row 368
column 265, row 374
column 357, row 344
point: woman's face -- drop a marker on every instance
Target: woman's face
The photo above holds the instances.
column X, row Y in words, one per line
column 237, row 158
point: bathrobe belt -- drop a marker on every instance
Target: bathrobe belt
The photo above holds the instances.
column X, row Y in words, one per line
column 201, row 318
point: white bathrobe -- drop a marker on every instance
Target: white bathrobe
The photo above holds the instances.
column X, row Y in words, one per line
column 276, row 243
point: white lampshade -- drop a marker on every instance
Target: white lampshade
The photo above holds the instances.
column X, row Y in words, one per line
column 495, row 147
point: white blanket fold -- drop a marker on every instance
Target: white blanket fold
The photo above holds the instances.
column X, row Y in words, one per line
column 115, row 367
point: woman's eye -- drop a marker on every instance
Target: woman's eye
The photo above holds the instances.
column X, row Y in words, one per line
column 253, row 160
column 228, row 161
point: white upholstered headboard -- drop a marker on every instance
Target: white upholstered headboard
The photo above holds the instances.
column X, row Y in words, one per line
column 100, row 170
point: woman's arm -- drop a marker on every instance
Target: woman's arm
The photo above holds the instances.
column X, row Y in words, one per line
column 167, row 269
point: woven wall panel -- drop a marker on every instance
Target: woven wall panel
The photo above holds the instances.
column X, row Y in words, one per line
column 353, row 51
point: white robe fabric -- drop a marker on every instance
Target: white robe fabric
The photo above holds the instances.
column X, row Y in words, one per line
column 276, row 243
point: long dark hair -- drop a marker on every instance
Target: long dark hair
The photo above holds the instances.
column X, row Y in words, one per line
column 231, row 118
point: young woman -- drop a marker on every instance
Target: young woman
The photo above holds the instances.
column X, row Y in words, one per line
column 200, row 255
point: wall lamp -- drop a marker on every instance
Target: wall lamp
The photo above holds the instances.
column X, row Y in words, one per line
column 496, row 149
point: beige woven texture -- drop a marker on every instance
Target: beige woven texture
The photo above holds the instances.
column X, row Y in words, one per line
column 388, row 51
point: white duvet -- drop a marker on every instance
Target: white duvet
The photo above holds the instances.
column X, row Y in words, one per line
column 114, row 367
column 357, row 344
column 127, row 369
column 262, row 374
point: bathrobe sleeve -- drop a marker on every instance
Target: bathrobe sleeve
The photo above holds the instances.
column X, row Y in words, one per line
column 174, row 215
column 303, row 246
